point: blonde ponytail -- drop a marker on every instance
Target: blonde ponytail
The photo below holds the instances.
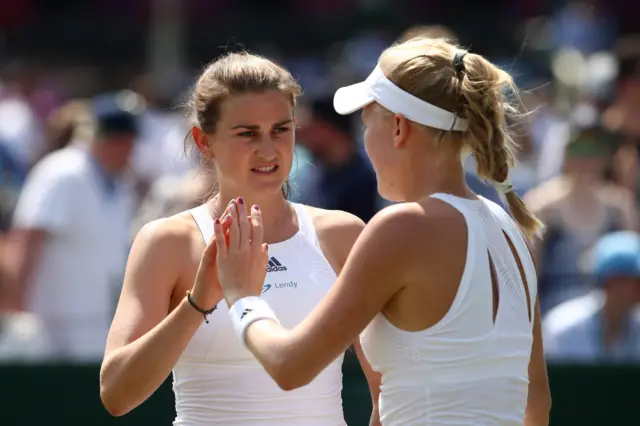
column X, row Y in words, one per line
column 482, row 87
column 438, row 72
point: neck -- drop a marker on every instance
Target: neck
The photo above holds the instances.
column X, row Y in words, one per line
column 434, row 176
column 271, row 206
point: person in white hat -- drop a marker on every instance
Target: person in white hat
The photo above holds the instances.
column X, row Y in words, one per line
column 442, row 287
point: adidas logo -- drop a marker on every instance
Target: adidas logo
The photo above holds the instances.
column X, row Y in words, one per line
column 275, row 266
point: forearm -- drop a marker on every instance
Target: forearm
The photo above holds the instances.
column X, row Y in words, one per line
column 269, row 343
column 132, row 373
column 25, row 257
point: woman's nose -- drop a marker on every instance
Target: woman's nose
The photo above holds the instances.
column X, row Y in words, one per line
column 267, row 148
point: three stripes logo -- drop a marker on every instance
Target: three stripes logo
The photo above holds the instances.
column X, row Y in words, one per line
column 275, row 266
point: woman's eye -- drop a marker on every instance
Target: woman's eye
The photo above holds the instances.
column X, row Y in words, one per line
column 281, row 129
column 247, row 134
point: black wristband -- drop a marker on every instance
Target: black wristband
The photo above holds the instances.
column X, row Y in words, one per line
column 204, row 312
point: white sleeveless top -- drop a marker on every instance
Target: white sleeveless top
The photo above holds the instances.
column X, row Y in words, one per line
column 216, row 381
column 465, row 370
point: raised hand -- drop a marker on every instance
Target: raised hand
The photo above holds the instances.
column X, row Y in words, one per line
column 206, row 291
column 242, row 263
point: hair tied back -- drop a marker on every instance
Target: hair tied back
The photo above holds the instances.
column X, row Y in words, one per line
column 458, row 62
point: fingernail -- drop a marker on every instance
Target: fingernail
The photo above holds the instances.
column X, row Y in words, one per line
column 266, row 246
column 230, row 202
column 240, row 200
column 217, row 221
column 255, row 206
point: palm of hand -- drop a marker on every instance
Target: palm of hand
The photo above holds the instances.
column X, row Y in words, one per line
column 241, row 261
column 207, row 290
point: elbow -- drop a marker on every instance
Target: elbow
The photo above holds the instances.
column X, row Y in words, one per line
column 111, row 398
column 111, row 404
column 289, row 379
column 289, row 382
column 289, row 385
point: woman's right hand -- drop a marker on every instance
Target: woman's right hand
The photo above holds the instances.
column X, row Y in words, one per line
column 206, row 291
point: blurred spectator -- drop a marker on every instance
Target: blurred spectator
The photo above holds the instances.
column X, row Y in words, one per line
column 23, row 338
column 71, row 231
column 20, row 126
column 171, row 195
column 585, row 25
column 12, row 176
column 577, row 208
column 158, row 148
column 61, row 124
column 604, row 325
column 340, row 176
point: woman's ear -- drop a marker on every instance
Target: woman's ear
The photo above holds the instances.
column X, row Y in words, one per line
column 401, row 130
column 200, row 139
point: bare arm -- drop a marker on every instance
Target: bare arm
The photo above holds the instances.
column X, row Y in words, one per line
column 539, row 395
column 369, row 279
column 339, row 232
column 144, row 342
column 45, row 210
column 539, row 401
column 25, row 249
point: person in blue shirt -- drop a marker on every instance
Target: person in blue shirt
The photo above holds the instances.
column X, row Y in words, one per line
column 604, row 325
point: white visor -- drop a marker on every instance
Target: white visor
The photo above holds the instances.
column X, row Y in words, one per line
column 378, row 88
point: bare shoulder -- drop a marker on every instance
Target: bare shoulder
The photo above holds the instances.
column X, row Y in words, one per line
column 159, row 255
column 337, row 232
column 172, row 234
column 430, row 218
column 416, row 236
column 167, row 243
column 335, row 221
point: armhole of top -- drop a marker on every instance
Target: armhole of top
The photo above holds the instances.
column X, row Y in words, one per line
column 475, row 241
column 520, row 251
column 203, row 221
column 305, row 224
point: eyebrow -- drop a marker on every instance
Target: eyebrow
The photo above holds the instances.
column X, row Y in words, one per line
column 256, row 127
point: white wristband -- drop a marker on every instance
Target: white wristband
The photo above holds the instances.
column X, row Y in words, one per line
column 248, row 310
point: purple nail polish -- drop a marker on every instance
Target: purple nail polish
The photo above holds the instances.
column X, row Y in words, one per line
column 240, row 200
column 217, row 221
column 255, row 206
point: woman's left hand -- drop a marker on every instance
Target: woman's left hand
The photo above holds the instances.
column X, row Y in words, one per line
column 242, row 263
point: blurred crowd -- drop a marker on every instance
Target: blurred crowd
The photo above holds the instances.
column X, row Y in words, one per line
column 79, row 176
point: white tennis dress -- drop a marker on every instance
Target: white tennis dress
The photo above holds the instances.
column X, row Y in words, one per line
column 217, row 381
column 466, row 369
